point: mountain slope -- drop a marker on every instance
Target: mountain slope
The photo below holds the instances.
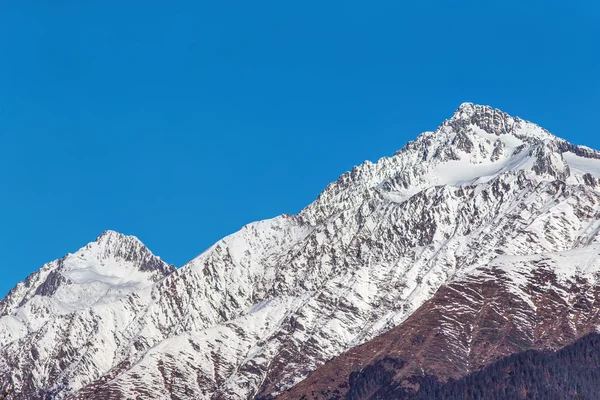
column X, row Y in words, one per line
column 259, row 311
column 513, row 304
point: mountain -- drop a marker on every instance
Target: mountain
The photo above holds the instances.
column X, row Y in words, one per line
column 101, row 272
column 36, row 316
column 473, row 242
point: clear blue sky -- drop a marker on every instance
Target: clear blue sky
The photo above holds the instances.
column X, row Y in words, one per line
column 181, row 123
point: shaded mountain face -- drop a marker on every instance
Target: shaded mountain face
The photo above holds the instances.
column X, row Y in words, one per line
column 446, row 236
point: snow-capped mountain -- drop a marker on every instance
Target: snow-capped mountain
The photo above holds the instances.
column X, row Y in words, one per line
column 259, row 311
column 103, row 271
column 37, row 313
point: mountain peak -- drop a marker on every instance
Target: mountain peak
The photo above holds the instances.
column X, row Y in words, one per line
column 108, row 234
column 476, row 145
column 115, row 244
column 497, row 122
column 468, row 110
column 111, row 266
column 113, row 237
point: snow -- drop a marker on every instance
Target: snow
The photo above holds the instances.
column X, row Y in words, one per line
column 583, row 263
column 511, row 142
column 581, row 165
column 94, row 275
column 475, row 168
column 285, row 295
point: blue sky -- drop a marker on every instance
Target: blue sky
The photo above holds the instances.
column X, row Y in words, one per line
column 180, row 124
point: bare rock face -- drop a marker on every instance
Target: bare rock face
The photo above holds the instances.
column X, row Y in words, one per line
column 426, row 263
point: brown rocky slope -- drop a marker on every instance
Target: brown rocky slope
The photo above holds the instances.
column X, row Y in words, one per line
column 515, row 304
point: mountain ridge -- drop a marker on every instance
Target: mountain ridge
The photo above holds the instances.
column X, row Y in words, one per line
column 265, row 307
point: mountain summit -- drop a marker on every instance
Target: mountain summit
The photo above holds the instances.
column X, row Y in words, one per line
column 496, row 122
column 473, row 242
column 101, row 272
column 476, row 145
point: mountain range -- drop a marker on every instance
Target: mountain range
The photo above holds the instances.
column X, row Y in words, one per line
column 414, row 275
